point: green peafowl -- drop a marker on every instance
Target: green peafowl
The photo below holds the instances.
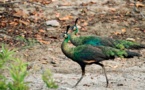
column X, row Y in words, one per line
column 87, row 54
column 102, row 41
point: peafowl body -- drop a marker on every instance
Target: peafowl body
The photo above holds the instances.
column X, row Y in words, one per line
column 102, row 41
column 87, row 54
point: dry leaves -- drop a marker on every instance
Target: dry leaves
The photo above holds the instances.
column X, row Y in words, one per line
column 139, row 4
column 123, row 30
column 120, row 33
column 24, row 22
column 112, row 9
column 38, row 15
column 44, row 42
column 39, row 37
column 13, row 23
column 68, row 17
column 42, row 31
column 20, row 13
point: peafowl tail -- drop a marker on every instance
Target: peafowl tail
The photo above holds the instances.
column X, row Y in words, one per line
column 131, row 54
column 122, row 44
column 137, row 46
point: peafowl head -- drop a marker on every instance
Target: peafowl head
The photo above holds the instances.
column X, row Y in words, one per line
column 66, row 35
column 75, row 28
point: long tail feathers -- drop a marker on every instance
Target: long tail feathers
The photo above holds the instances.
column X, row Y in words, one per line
column 137, row 46
column 132, row 54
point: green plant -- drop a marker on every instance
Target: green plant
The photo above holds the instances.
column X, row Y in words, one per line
column 28, row 41
column 18, row 72
column 5, row 55
column 48, row 80
column 3, row 85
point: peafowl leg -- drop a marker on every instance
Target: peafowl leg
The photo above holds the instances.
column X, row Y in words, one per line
column 104, row 70
column 83, row 73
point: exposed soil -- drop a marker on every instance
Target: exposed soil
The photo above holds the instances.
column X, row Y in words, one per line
column 111, row 18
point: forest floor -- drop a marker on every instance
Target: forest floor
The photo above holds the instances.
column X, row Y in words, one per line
column 112, row 18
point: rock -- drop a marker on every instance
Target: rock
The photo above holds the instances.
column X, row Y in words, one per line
column 130, row 39
column 54, row 23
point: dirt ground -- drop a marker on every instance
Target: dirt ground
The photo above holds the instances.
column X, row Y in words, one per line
column 111, row 18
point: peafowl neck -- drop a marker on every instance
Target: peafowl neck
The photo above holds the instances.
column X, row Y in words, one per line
column 74, row 38
column 66, row 49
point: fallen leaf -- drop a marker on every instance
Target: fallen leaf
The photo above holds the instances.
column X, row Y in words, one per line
column 44, row 42
column 3, row 23
column 123, row 30
column 66, row 17
column 13, row 23
column 24, row 22
column 136, row 28
column 139, row 4
column 20, row 13
column 112, row 9
column 46, row 2
column 117, row 33
column 42, row 31
column 38, row 37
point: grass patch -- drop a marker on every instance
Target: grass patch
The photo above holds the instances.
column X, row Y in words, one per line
column 5, row 55
column 18, row 72
column 29, row 42
column 48, row 80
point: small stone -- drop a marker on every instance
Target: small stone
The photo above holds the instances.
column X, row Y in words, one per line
column 119, row 84
column 53, row 62
column 54, row 23
column 130, row 39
